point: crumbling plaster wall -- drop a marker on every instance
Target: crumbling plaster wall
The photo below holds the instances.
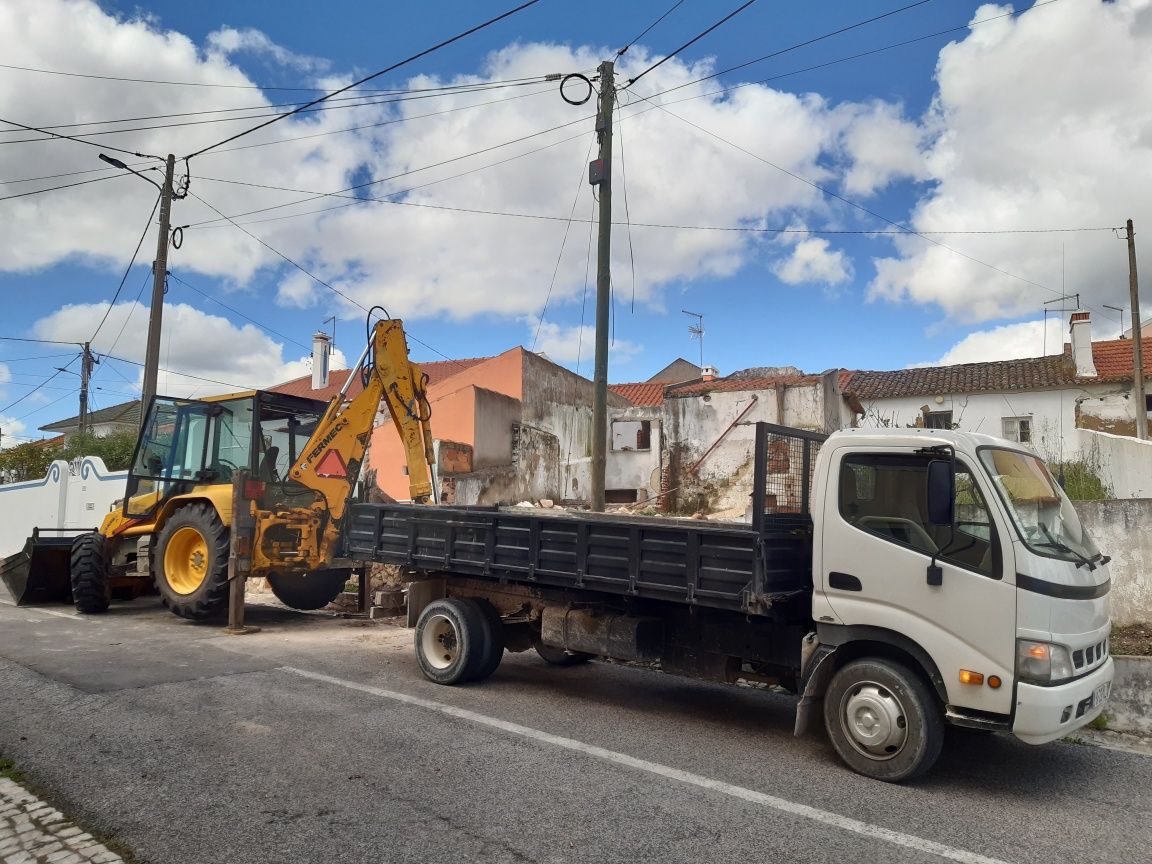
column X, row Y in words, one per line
column 1123, row 464
column 631, row 468
column 1120, row 529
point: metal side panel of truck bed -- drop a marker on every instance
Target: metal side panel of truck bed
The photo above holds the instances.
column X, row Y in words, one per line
column 722, row 565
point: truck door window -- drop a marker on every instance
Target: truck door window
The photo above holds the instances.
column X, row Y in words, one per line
column 885, row 495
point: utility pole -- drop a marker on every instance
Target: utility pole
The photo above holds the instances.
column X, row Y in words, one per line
column 1137, row 346
column 159, row 280
column 600, row 174
column 86, row 363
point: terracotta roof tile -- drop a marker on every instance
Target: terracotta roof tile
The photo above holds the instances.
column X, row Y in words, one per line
column 735, row 383
column 437, row 371
column 1113, row 359
column 646, row 394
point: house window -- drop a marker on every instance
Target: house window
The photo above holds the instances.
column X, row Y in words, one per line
column 937, row 419
column 1017, row 429
column 632, row 435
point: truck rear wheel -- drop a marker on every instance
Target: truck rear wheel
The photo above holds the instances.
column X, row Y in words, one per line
column 89, row 572
column 312, row 590
column 452, row 640
column 494, row 649
column 190, row 562
column 883, row 720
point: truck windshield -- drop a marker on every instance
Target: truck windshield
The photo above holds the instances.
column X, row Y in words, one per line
column 1043, row 515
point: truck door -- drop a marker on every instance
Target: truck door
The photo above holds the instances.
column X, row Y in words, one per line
column 875, row 549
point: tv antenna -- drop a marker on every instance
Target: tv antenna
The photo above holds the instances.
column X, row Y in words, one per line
column 697, row 331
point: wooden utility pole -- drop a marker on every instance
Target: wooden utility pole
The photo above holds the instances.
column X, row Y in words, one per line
column 1138, row 394
column 159, row 280
column 600, row 174
column 86, row 363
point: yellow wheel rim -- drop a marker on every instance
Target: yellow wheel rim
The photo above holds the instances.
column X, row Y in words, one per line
column 186, row 560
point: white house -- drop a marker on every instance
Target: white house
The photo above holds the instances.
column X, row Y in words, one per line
column 1040, row 401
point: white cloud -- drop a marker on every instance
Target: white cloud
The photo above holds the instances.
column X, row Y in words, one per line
column 1009, row 342
column 568, row 344
column 15, row 431
column 229, row 40
column 883, row 146
column 233, row 357
column 812, row 261
column 418, row 261
column 1031, row 131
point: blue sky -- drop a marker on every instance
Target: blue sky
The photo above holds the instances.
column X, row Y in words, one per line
column 1013, row 124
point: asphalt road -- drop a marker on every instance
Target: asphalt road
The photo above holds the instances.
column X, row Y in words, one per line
column 318, row 740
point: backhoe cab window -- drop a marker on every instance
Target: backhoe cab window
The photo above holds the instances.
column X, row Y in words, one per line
column 886, row 495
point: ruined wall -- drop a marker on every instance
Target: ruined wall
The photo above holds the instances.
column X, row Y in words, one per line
column 1120, row 529
column 723, row 480
column 494, row 416
column 628, row 467
column 1123, row 464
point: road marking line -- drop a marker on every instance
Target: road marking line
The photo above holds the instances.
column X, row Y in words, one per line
column 42, row 611
column 835, row 820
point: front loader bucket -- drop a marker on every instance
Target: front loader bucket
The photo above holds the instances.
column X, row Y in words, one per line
column 41, row 573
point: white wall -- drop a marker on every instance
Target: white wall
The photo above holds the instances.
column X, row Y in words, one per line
column 1123, row 464
column 1053, row 413
column 1120, row 529
column 69, row 496
column 631, row 468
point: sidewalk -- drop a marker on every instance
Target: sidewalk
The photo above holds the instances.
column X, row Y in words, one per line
column 32, row 832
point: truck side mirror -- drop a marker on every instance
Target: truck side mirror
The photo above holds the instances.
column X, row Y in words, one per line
column 941, row 492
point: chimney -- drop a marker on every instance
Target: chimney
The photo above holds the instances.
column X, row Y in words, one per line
column 708, row 373
column 321, row 348
column 1081, row 329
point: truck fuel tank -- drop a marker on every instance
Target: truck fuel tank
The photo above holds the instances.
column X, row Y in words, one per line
column 591, row 631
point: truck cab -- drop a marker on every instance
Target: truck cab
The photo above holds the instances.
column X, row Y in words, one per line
column 1003, row 605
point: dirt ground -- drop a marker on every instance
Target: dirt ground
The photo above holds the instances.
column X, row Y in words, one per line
column 1133, row 639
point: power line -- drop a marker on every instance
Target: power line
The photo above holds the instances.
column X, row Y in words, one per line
column 74, row 138
column 127, row 270
column 37, row 341
column 690, row 42
column 183, row 374
column 37, row 388
column 340, row 192
column 648, row 29
column 627, row 213
column 201, row 83
column 368, row 78
column 276, row 114
column 237, row 312
column 63, row 186
column 37, row 357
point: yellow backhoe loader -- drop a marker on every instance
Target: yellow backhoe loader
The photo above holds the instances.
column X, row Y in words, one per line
column 303, row 459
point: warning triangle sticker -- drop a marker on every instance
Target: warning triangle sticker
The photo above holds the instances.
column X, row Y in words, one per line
column 331, row 465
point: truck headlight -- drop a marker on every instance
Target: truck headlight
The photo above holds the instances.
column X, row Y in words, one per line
column 1042, row 662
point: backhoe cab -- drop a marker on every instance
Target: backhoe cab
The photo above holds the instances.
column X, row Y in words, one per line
column 303, row 459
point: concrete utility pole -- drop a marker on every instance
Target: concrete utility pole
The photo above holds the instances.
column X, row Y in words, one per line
column 159, row 280
column 86, row 363
column 1137, row 346
column 600, row 174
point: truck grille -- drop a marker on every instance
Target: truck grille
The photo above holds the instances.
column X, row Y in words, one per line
column 1093, row 655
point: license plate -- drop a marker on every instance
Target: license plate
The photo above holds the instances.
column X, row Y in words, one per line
column 1100, row 694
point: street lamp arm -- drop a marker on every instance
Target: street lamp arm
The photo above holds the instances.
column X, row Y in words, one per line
column 116, row 163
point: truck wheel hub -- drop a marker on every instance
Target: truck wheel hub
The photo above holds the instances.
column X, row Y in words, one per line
column 874, row 721
column 439, row 642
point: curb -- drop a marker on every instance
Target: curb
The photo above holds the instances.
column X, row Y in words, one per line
column 1130, row 707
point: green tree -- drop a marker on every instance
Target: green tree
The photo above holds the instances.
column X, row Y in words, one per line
column 28, row 461
column 115, row 448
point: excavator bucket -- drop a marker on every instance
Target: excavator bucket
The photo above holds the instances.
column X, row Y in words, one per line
column 41, row 573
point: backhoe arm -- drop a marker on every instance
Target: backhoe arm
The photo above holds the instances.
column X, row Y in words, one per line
column 330, row 462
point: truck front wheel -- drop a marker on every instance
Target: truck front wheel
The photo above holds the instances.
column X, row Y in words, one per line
column 883, row 720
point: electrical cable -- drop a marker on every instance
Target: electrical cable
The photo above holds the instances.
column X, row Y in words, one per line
column 236, row 311
column 690, row 42
column 563, row 243
column 277, row 114
column 127, row 270
column 182, row 374
column 647, row 29
column 77, row 140
column 35, row 389
column 312, row 196
column 64, row 186
column 368, row 78
column 627, row 214
column 37, row 341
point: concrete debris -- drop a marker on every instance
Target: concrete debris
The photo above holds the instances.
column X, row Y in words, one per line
column 547, row 503
column 528, row 504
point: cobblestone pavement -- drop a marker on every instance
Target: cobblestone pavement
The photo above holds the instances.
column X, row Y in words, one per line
column 32, row 832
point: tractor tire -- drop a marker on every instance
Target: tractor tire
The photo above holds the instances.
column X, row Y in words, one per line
column 883, row 720
column 89, row 571
column 452, row 640
column 190, row 562
column 312, row 590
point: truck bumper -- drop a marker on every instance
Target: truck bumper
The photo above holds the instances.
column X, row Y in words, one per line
column 1046, row 713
